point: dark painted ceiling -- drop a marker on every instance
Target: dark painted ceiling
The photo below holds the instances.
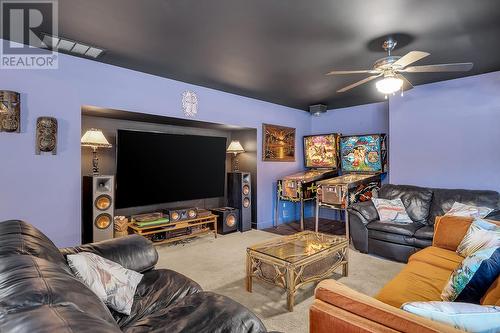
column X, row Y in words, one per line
column 279, row 50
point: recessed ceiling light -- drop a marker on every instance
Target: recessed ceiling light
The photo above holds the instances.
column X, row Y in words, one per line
column 94, row 52
column 65, row 45
column 80, row 48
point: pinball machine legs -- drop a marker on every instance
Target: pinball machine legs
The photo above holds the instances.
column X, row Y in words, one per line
column 301, row 215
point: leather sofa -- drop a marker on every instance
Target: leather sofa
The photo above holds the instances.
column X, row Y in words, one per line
column 337, row 308
column 399, row 241
column 39, row 293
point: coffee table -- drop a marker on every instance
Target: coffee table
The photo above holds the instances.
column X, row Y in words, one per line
column 292, row 261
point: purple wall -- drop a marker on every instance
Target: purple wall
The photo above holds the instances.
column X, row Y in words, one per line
column 45, row 190
column 363, row 119
column 447, row 134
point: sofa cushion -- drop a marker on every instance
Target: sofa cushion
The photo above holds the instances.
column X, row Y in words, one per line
column 449, row 231
column 408, row 229
column 418, row 281
column 202, row 312
column 438, row 257
column 158, row 289
column 426, row 232
column 444, row 199
column 393, row 319
column 417, row 200
column 19, row 237
column 492, row 296
column 53, row 318
column 27, row 281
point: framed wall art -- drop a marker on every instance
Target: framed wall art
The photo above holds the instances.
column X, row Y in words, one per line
column 278, row 143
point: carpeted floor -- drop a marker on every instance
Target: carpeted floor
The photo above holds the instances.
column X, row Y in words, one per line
column 219, row 265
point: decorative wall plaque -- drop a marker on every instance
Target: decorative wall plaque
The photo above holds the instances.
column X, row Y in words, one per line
column 189, row 103
column 46, row 135
column 10, row 111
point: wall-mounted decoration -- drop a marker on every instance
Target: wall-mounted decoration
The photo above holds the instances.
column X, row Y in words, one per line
column 46, row 135
column 189, row 103
column 278, row 143
column 10, row 111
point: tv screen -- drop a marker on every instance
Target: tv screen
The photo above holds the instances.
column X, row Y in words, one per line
column 155, row 168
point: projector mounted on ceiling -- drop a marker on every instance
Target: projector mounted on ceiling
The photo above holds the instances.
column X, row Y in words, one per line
column 317, row 110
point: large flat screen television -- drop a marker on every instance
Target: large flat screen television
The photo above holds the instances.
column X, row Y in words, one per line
column 154, row 168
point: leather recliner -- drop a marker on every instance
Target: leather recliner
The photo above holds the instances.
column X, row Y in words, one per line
column 39, row 293
column 399, row 241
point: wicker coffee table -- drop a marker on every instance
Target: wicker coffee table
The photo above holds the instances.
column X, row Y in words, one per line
column 292, row 261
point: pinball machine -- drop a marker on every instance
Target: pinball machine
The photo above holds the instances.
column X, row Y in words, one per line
column 321, row 162
column 363, row 161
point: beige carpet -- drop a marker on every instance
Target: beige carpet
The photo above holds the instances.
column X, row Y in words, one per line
column 218, row 265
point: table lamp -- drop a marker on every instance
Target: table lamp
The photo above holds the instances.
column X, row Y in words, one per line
column 94, row 139
column 235, row 148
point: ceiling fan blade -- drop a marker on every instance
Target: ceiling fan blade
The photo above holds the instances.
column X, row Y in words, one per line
column 406, row 84
column 352, row 72
column 457, row 67
column 410, row 58
column 355, row 84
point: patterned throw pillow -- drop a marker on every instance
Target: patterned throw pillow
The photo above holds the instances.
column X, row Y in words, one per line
column 463, row 316
column 481, row 234
column 460, row 209
column 111, row 282
column 472, row 278
column 391, row 210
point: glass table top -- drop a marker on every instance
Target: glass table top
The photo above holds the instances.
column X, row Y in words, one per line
column 299, row 246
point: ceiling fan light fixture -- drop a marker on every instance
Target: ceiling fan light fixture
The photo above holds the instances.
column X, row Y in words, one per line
column 389, row 85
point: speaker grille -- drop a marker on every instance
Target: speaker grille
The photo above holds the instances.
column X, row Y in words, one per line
column 192, row 213
column 103, row 221
column 103, row 202
column 230, row 220
column 246, row 190
column 246, row 202
column 174, row 216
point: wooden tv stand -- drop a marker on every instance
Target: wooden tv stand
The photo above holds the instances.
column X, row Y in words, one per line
column 208, row 225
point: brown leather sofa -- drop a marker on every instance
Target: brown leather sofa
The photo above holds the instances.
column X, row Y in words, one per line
column 338, row 308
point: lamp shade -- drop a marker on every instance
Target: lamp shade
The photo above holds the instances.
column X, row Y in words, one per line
column 235, row 147
column 94, row 138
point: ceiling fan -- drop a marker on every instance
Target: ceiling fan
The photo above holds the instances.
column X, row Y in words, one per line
column 391, row 67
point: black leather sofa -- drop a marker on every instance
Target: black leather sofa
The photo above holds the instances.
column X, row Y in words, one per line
column 39, row 293
column 399, row 241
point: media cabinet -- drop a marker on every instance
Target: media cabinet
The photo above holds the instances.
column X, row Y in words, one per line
column 199, row 226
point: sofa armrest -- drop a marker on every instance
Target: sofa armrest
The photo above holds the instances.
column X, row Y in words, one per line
column 366, row 209
column 345, row 300
column 132, row 252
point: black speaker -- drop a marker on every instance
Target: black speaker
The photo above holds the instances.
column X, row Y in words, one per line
column 227, row 219
column 98, row 201
column 239, row 193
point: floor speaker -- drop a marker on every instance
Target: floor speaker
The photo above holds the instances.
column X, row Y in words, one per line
column 227, row 219
column 239, row 193
column 98, row 201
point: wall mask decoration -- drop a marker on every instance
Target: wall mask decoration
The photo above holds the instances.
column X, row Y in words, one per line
column 190, row 103
column 46, row 135
column 278, row 143
column 10, row 111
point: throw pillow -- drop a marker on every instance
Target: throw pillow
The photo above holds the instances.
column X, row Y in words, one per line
column 391, row 210
column 460, row 209
column 111, row 282
column 472, row 278
column 463, row 316
column 481, row 234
